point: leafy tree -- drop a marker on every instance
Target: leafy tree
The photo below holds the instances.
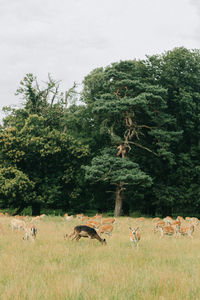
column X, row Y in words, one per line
column 37, row 146
column 131, row 112
column 121, row 173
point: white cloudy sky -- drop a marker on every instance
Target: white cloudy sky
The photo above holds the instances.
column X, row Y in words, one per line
column 69, row 38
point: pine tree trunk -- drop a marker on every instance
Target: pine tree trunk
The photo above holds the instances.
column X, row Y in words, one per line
column 118, row 200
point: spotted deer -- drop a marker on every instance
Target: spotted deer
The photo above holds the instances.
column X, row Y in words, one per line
column 95, row 223
column 87, row 232
column 169, row 230
column 18, row 224
column 107, row 229
column 30, row 232
column 108, row 221
column 186, row 230
column 135, row 236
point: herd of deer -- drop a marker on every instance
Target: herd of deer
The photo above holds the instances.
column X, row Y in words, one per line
column 94, row 227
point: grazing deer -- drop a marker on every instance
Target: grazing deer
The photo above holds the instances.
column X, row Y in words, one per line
column 168, row 220
column 186, row 230
column 35, row 219
column 19, row 217
column 107, row 229
column 89, row 225
column 168, row 230
column 155, row 219
column 158, row 225
column 194, row 221
column 135, row 236
column 97, row 217
column 87, row 232
column 69, row 218
column 108, row 221
column 42, row 216
column 181, row 219
column 17, row 224
column 30, row 232
column 141, row 219
column 96, row 224
column 79, row 216
column 85, row 218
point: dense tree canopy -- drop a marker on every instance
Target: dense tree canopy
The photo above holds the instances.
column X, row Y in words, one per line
column 131, row 142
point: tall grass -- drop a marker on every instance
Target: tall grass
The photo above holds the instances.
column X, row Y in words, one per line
column 53, row 268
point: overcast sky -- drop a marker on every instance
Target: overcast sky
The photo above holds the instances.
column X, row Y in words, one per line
column 69, row 38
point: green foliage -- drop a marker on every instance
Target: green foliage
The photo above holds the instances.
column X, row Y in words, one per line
column 16, row 189
column 107, row 168
column 55, row 154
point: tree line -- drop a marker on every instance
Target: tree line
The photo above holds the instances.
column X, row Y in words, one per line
column 129, row 141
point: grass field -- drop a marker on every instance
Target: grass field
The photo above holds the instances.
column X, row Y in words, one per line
column 54, row 268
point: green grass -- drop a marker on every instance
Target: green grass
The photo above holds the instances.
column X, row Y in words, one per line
column 53, row 268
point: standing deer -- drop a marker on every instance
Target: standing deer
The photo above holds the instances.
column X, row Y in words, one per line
column 135, row 236
column 30, row 232
column 17, row 224
column 87, row 232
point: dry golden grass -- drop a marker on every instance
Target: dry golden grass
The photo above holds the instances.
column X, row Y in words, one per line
column 54, row 268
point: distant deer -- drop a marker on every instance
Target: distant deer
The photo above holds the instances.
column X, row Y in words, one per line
column 107, row 229
column 186, row 230
column 87, row 232
column 108, row 221
column 30, row 232
column 17, row 224
column 135, row 236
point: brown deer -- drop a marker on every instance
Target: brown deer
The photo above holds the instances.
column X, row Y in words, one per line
column 107, row 229
column 95, row 223
column 87, row 232
column 108, row 221
column 186, row 230
column 135, row 236
column 169, row 230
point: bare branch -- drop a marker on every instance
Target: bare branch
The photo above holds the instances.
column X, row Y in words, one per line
column 147, row 149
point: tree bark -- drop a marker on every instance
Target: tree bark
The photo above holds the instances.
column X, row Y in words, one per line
column 119, row 200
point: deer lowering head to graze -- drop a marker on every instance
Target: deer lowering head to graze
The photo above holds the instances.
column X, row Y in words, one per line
column 79, row 216
column 95, row 223
column 87, row 232
column 181, row 219
column 97, row 217
column 194, row 221
column 108, row 221
column 186, row 230
column 168, row 220
column 36, row 219
column 69, row 218
column 154, row 220
column 42, row 216
column 141, row 219
column 30, row 232
column 107, row 229
column 168, row 230
column 135, row 236
column 17, row 224
column 84, row 218
column 158, row 225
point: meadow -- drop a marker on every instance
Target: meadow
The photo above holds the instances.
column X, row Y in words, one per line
column 54, row 268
